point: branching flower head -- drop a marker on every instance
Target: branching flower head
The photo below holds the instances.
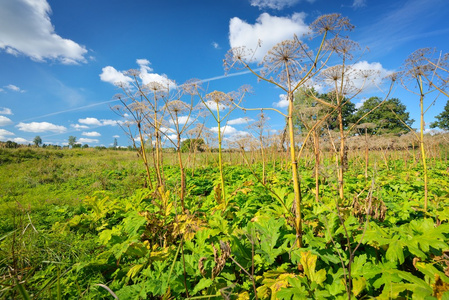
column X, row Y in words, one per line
column 344, row 48
column 288, row 61
column 192, row 86
column 218, row 98
column 178, row 107
column 418, row 64
column 332, row 23
column 238, row 58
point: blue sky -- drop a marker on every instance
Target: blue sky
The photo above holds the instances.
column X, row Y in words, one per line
column 59, row 59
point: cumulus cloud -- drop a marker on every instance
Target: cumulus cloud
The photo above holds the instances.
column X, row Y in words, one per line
column 239, row 121
column 212, row 106
column 276, row 4
column 270, row 30
column 87, row 140
column 91, row 134
column 27, row 30
column 282, row 103
column 14, row 88
column 5, row 111
column 40, row 127
column 359, row 104
column 230, row 132
column 96, row 122
column 181, row 120
column 5, row 121
column 116, row 136
column 359, row 3
column 4, row 134
column 355, row 74
column 215, row 45
column 111, row 75
column 20, row 140
column 79, row 127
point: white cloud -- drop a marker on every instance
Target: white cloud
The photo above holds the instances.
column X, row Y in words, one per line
column 230, row 132
column 363, row 76
column 359, row 3
column 87, row 140
column 116, row 136
column 148, row 77
column 27, row 29
column 40, row 127
column 79, row 127
column 111, row 75
column 270, row 30
column 181, row 120
column 108, row 122
column 96, row 122
column 4, row 134
column 215, row 45
column 276, row 4
column 239, row 121
column 21, row 141
column 5, row 111
column 359, row 104
column 212, row 105
column 5, row 121
column 91, row 134
column 90, row 121
column 282, row 103
column 14, row 88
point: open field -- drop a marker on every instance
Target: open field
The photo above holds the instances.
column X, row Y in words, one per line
column 80, row 224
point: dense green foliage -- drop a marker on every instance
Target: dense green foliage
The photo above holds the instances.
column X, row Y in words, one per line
column 308, row 111
column 390, row 117
column 442, row 119
column 77, row 225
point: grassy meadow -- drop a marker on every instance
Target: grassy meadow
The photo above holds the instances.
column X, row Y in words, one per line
column 85, row 224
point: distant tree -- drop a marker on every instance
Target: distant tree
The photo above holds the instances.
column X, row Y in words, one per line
column 85, row 146
column 72, row 141
column 388, row 118
column 11, row 144
column 306, row 107
column 37, row 141
column 115, row 145
column 443, row 119
column 192, row 144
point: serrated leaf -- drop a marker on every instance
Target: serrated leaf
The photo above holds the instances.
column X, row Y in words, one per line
column 202, row 284
column 395, row 252
column 358, row 285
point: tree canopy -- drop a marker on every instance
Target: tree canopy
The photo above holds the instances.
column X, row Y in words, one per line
column 192, row 144
column 442, row 119
column 308, row 111
column 389, row 117
column 72, row 140
column 37, row 141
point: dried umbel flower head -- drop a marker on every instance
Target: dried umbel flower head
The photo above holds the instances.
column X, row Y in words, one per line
column 289, row 60
column 419, row 64
column 177, row 107
column 133, row 73
column 343, row 47
column 237, row 58
column 192, row 86
column 331, row 23
column 218, row 98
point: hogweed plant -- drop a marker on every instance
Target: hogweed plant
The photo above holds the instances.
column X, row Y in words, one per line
column 289, row 65
column 216, row 102
column 422, row 76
